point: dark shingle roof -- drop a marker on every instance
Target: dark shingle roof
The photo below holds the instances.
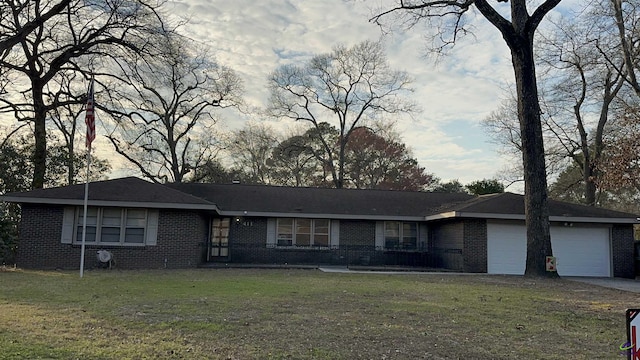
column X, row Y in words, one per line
column 236, row 199
column 278, row 199
column 509, row 203
column 130, row 189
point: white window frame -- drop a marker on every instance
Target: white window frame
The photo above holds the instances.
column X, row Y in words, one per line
column 294, row 226
column 401, row 235
column 144, row 223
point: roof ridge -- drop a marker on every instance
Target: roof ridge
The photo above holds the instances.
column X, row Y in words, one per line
column 308, row 188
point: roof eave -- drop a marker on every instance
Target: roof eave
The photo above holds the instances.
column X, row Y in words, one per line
column 575, row 219
column 130, row 204
column 318, row 215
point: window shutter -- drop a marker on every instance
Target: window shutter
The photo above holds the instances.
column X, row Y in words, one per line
column 379, row 235
column 334, row 239
column 68, row 222
column 152, row 227
column 423, row 236
column 271, row 232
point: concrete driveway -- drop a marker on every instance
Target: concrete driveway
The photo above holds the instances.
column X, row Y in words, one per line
column 630, row 285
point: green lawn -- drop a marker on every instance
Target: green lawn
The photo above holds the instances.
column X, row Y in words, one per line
column 304, row 314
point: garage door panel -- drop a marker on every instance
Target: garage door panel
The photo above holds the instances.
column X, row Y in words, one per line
column 506, row 250
column 579, row 251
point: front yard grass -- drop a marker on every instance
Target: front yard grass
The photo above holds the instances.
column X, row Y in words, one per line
column 305, row 314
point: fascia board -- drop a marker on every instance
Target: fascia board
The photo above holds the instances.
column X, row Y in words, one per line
column 583, row 219
column 318, row 216
column 132, row 204
column 444, row 215
column 576, row 219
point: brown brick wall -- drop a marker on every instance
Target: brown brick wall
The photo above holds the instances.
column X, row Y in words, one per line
column 447, row 235
column 447, row 244
column 39, row 244
column 475, row 246
column 248, row 242
column 622, row 251
column 181, row 239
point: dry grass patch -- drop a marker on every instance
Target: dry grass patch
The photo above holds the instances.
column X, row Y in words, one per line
column 305, row 314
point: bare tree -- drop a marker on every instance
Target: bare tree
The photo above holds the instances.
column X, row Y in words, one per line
column 347, row 87
column 580, row 85
column 251, row 148
column 518, row 33
column 382, row 161
column 66, row 116
column 296, row 160
column 11, row 31
column 621, row 165
column 165, row 116
column 627, row 21
column 44, row 38
column 580, row 90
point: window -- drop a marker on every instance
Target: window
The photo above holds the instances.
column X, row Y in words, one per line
column 400, row 235
column 303, row 232
column 112, row 226
column 285, row 232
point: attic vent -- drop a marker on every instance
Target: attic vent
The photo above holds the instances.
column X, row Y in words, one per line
column 235, row 181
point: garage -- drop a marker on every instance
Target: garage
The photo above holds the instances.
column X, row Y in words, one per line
column 579, row 251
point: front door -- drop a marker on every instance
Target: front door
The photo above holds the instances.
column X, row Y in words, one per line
column 219, row 243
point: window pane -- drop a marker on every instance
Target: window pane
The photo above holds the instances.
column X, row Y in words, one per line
column 285, row 232
column 392, row 228
column 92, row 216
column 303, row 239
column 303, row 226
column 285, row 240
column 111, row 217
column 321, row 227
column 134, row 235
column 391, row 234
column 321, row 240
column 409, row 235
column 90, row 235
column 110, row 235
column 285, row 226
column 92, row 222
column 321, row 232
column 136, row 217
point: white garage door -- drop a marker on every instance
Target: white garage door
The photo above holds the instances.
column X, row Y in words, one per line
column 578, row 251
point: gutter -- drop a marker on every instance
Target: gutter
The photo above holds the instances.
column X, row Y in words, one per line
column 497, row 216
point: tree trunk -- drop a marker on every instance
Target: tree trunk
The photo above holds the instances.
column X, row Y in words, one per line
column 40, row 137
column 71, row 169
column 590, row 187
column 535, row 176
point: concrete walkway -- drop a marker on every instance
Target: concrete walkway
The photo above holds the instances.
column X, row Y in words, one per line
column 630, row 285
column 387, row 271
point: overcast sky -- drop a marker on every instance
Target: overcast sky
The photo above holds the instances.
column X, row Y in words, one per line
column 455, row 93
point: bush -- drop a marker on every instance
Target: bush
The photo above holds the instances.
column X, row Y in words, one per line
column 8, row 238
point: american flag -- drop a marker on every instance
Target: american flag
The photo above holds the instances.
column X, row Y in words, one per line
column 90, row 118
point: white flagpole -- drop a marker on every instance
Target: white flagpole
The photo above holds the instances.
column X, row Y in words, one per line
column 90, row 123
column 84, row 217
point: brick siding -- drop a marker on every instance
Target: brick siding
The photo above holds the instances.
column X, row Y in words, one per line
column 182, row 243
column 248, row 244
column 474, row 250
column 181, row 239
column 622, row 251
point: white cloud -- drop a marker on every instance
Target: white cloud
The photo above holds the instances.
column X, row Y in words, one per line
column 254, row 37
